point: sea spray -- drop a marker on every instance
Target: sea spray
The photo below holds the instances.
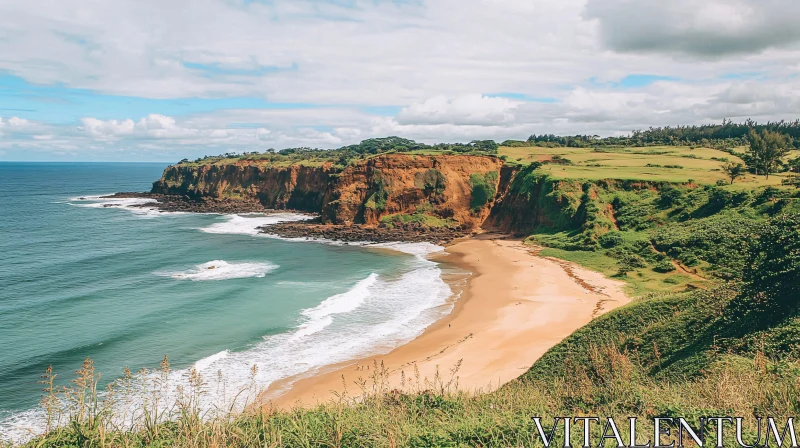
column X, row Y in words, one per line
column 322, row 315
column 222, row 270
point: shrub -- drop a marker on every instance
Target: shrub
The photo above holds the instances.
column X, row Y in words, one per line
column 629, row 262
column 670, row 197
column 688, row 258
column 483, row 189
column 434, row 182
column 772, row 269
column 377, row 200
column 664, row 266
column 610, row 239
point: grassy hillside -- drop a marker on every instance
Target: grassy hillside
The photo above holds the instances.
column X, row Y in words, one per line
column 681, row 164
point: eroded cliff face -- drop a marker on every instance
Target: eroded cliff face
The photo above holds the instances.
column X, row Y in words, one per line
column 406, row 184
column 294, row 187
column 530, row 200
column 459, row 187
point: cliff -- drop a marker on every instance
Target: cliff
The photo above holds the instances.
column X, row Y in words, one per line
column 457, row 188
column 294, row 187
column 530, row 199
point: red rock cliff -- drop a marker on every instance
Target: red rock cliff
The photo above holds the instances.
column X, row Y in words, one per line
column 460, row 187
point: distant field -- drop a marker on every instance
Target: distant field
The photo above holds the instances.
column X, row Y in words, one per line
column 631, row 163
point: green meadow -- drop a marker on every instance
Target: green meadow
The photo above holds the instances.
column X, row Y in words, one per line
column 681, row 164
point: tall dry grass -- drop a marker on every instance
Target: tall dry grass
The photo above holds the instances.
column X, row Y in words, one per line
column 422, row 412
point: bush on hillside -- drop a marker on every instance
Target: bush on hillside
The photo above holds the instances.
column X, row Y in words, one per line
column 670, row 197
column 610, row 239
column 664, row 266
column 771, row 271
column 483, row 189
column 720, row 240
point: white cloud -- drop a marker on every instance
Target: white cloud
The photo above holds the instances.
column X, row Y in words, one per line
column 712, row 28
column 472, row 109
column 107, row 128
column 152, row 126
column 17, row 122
column 219, row 133
column 444, row 77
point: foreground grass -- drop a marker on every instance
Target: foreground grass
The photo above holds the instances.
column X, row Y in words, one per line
column 501, row 419
column 653, row 358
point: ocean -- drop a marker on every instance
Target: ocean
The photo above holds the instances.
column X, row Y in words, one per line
column 83, row 276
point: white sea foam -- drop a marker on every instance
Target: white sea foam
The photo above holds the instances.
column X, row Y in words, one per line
column 420, row 249
column 222, row 270
column 206, row 362
column 133, row 205
column 373, row 316
column 321, row 315
column 248, row 224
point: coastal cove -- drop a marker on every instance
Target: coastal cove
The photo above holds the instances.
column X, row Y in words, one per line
column 514, row 307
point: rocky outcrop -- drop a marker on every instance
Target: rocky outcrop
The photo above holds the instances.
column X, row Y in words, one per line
column 355, row 233
column 459, row 188
column 296, row 187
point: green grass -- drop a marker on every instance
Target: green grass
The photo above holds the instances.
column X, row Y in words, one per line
column 630, row 163
column 638, row 283
column 667, row 355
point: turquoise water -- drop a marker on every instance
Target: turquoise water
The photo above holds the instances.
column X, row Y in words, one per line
column 126, row 286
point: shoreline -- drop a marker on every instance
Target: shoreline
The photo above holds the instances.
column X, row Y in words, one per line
column 514, row 307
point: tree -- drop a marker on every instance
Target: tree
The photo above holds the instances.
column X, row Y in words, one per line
column 733, row 170
column 766, row 150
column 484, row 145
column 772, row 269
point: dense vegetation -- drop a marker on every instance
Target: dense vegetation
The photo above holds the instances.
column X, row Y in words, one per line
column 347, row 154
column 483, row 189
column 728, row 134
column 644, row 230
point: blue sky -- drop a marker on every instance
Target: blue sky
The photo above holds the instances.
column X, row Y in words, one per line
column 144, row 80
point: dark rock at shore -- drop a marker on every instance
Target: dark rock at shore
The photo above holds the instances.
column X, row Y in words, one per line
column 357, row 233
column 169, row 203
column 307, row 229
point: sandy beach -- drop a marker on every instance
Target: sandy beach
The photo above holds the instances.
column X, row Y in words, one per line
column 515, row 306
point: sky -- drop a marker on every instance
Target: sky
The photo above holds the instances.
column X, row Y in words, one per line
column 147, row 80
